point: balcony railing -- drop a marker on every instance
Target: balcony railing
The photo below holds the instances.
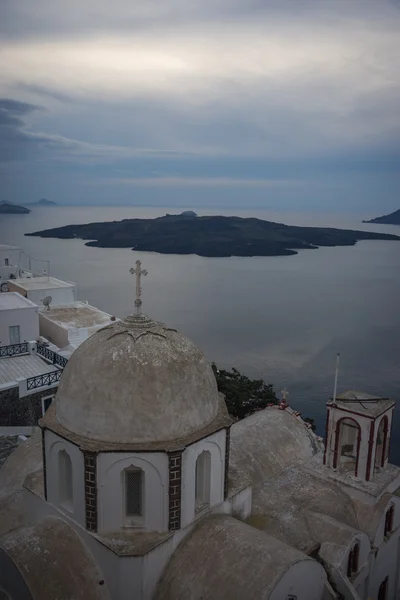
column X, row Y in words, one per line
column 14, row 350
column 42, row 380
column 51, row 356
column 45, row 352
column 59, row 360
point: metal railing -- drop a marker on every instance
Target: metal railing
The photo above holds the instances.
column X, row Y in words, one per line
column 14, row 350
column 42, row 380
column 45, row 352
column 59, row 360
column 51, row 356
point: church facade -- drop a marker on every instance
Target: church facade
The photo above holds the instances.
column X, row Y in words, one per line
column 140, row 487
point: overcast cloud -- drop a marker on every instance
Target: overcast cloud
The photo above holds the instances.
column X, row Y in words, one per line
column 289, row 103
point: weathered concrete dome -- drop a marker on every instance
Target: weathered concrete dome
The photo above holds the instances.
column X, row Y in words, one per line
column 137, row 381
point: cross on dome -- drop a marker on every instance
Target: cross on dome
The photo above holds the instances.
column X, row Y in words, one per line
column 138, row 271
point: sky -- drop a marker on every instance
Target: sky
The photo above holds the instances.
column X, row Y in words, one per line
column 283, row 104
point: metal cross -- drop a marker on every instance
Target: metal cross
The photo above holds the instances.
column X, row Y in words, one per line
column 285, row 394
column 138, row 272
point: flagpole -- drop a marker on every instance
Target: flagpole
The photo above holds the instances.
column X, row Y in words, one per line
column 336, row 378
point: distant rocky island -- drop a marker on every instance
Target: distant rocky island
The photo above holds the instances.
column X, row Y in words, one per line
column 7, row 208
column 10, row 208
column 214, row 236
column 41, row 202
column 392, row 219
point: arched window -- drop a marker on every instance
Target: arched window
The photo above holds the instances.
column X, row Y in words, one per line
column 389, row 520
column 384, row 590
column 353, row 560
column 133, row 494
column 347, row 445
column 65, row 487
column 203, row 480
column 356, row 557
column 381, row 442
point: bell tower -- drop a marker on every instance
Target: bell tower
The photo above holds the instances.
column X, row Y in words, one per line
column 358, row 428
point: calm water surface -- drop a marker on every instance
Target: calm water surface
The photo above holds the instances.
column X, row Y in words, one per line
column 280, row 318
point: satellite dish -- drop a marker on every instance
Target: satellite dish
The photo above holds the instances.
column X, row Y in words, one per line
column 47, row 302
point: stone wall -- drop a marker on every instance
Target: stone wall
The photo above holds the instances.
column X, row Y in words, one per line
column 21, row 412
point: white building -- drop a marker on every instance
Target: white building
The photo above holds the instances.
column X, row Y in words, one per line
column 10, row 265
column 34, row 347
column 28, row 382
column 37, row 289
column 19, row 319
column 30, row 367
column 68, row 326
column 141, row 488
column 28, row 373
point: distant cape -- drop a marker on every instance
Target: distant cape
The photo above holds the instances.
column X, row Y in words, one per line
column 6, row 208
column 391, row 219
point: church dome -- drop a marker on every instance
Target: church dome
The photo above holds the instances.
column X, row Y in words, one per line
column 137, row 381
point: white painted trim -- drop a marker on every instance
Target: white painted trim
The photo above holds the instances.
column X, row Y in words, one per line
column 17, row 430
column 23, row 391
column 52, row 396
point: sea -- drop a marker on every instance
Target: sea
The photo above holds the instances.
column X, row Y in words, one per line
column 282, row 319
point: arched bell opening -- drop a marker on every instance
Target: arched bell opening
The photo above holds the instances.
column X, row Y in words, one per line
column 347, row 445
column 381, row 443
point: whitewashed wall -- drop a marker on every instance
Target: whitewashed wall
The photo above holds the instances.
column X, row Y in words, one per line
column 54, row 444
column 52, row 331
column 62, row 336
column 386, row 562
column 60, row 296
column 26, row 318
column 379, row 537
column 130, row 571
column 110, row 501
column 215, row 444
column 358, row 580
column 305, row 580
column 238, row 505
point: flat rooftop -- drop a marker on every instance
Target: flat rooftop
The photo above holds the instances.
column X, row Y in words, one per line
column 27, row 365
column 41, row 283
column 13, row 300
column 76, row 316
